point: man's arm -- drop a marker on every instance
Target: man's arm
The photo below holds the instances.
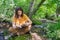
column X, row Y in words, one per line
column 13, row 24
column 28, row 22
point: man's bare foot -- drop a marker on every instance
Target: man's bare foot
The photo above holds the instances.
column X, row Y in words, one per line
column 35, row 36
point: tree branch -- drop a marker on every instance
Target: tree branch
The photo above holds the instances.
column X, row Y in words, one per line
column 31, row 7
column 35, row 10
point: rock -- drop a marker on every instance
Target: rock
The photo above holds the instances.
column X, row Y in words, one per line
column 40, row 26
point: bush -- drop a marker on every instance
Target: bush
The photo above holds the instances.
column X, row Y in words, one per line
column 53, row 31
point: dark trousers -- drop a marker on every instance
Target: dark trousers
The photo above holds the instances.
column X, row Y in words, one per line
column 2, row 36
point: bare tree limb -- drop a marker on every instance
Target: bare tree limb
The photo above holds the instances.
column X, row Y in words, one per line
column 38, row 6
column 58, row 9
column 33, row 10
column 31, row 7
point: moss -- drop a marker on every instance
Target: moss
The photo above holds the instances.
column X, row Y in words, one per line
column 21, row 37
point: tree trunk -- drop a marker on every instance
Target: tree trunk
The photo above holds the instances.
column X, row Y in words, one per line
column 38, row 6
column 58, row 9
column 33, row 10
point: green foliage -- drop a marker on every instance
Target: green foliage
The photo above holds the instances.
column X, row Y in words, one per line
column 7, row 8
column 53, row 30
column 24, row 4
column 21, row 37
column 48, row 7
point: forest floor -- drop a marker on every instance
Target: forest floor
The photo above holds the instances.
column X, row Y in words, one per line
column 38, row 29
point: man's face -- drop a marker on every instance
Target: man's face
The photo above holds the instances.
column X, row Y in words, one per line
column 19, row 12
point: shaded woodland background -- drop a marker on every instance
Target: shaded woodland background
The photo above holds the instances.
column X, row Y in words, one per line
column 45, row 15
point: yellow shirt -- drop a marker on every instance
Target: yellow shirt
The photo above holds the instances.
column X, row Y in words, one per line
column 18, row 21
column 21, row 20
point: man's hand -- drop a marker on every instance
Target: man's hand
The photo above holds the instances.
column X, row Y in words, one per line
column 19, row 26
column 27, row 23
column 14, row 26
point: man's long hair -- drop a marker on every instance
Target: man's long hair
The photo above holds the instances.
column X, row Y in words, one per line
column 16, row 11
